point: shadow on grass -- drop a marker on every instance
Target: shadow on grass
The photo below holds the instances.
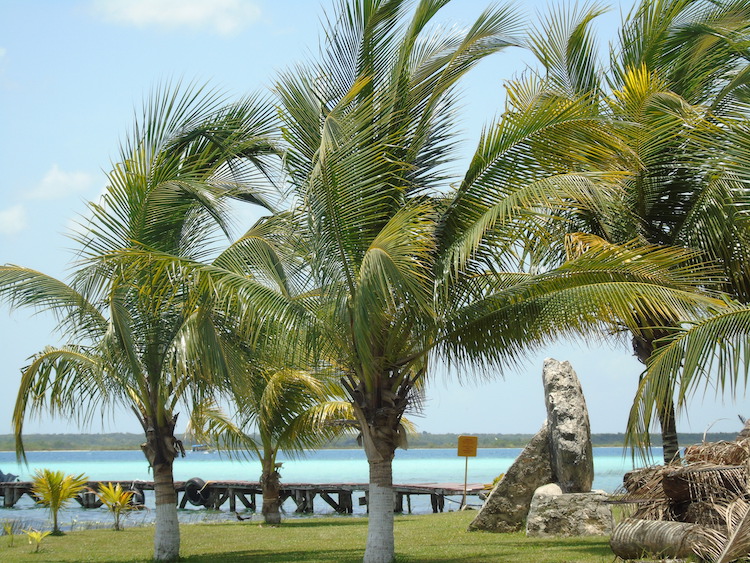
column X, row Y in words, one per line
column 563, row 542
column 279, row 556
column 317, row 523
column 598, row 547
column 554, row 553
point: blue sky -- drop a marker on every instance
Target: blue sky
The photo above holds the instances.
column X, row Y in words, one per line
column 72, row 74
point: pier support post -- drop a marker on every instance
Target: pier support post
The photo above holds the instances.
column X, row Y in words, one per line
column 304, row 501
column 438, row 502
column 345, row 502
column 343, row 506
column 11, row 495
column 398, row 503
column 88, row 499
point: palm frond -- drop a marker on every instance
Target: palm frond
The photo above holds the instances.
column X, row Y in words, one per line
column 565, row 45
column 712, row 353
column 23, row 287
column 209, row 424
column 68, row 382
column 605, row 285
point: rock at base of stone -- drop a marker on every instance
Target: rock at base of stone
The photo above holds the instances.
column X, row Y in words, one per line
column 554, row 513
column 569, row 428
column 507, row 505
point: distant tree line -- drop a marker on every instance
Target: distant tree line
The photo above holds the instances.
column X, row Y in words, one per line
column 124, row 441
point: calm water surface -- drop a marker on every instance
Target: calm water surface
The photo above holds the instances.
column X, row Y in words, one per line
column 324, row 466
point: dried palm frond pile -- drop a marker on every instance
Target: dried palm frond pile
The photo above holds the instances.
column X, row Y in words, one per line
column 718, row 453
column 708, row 492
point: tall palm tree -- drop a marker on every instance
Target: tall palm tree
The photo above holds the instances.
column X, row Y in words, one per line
column 683, row 76
column 282, row 410
column 403, row 267
column 675, row 87
column 138, row 336
column 708, row 354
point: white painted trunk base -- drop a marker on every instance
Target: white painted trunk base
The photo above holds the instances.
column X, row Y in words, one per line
column 380, row 544
column 167, row 535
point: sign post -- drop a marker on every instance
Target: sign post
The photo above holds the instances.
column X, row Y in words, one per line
column 467, row 447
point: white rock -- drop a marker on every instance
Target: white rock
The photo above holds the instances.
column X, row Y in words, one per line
column 554, row 513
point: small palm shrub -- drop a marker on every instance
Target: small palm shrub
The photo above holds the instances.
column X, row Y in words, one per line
column 36, row 537
column 10, row 527
column 55, row 490
column 116, row 500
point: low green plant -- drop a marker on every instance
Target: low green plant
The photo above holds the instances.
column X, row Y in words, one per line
column 116, row 500
column 9, row 528
column 36, row 537
column 55, row 490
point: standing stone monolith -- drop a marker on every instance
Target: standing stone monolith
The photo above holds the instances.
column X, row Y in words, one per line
column 508, row 504
column 569, row 428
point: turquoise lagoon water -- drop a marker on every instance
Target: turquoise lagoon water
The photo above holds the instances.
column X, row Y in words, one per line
column 323, row 466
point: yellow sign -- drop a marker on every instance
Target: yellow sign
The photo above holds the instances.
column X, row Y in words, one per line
column 467, row 446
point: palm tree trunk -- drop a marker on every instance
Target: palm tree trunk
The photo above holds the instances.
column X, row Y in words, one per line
column 167, row 536
column 161, row 448
column 271, row 487
column 380, row 540
column 745, row 432
column 643, row 348
column 380, row 439
column 670, row 445
column 632, row 538
column 55, row 528
column 378, row 413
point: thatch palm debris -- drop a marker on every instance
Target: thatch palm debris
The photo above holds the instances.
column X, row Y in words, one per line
column 701, row 506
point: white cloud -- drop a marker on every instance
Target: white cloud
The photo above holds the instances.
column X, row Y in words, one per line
column 3, row 51
column 12, row 220
column 58, row 184
column 222, row 16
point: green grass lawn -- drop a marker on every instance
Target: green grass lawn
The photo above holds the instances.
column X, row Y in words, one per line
column 429, row 537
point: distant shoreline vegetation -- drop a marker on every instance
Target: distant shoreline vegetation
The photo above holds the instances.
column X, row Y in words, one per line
column 125, row 441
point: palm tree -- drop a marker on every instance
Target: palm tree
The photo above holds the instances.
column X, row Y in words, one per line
column 689, row 72
column 116, row 500
column 55, row 490
column 276, row 410
column 708, row 353
column 674, row 89
column 138, row 337
column 403, row 268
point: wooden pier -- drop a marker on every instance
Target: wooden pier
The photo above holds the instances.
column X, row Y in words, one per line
column 243, row 494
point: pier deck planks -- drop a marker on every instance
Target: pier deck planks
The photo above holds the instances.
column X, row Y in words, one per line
column 303, row 494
